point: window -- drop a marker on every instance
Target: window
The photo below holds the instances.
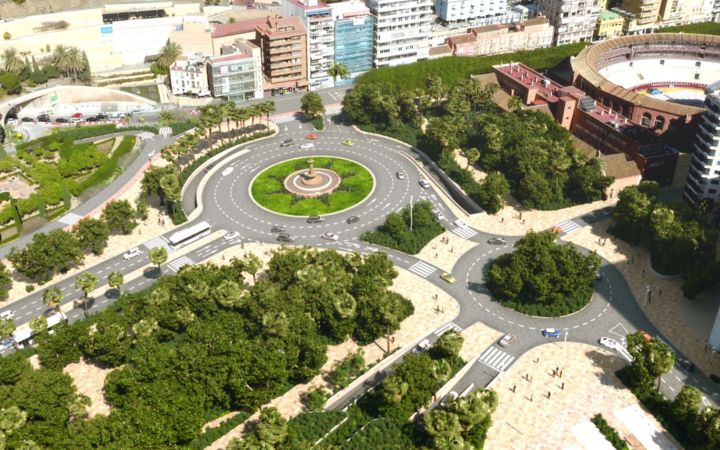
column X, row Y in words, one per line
column 659, row 122
column 697, row 76
column 697, row 63
column 662, row 62
column 645, row 121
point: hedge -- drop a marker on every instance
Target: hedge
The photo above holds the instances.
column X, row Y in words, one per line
column 213, row 434
column 304, row 430
column 181, row 127
column 106, row 171
column 697, row 28
column 609, row 432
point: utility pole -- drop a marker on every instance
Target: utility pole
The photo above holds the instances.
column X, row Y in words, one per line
column 411, row 212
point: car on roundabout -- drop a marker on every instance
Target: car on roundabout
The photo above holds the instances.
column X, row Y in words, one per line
column 132, row 253
column 230, row 235
column 607, row 342
column 284, row 237
column 347, row 142
column 277, row 229
column 330, row 236
column 400, row 175
column 507, row 340
column 424, row 183
column 551, row 332
column 352, row 219
column 315, row 219
column 286, row 143
column 307, row 145
column 227, row 171
column 496, row 241
column 311, row 136
column 447, row 277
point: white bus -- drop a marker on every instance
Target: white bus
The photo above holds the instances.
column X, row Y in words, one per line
column 189, row 235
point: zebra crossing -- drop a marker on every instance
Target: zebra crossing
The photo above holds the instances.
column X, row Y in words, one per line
column 496, row 359
column 464, row 232
column 283, row 118
column 447, row 327
column 423, row 269
column 70, row 218
column 333, row 109
column 165, row 131
column 567, row 226
column 145, row 136
column 159, row 241
column 180, row 262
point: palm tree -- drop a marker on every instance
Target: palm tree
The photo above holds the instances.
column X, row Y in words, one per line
column 198, row 289
column 338, row 70
column 254, row 111
column 168, row 54
column 207, row 122
column 272, row 428
column 158, row 256
column 158, row 297
column 115, row 280
column 52, row 298
column 7, row 327
column 185, row 316
column 12, row 62
column 275, row 323
column 226, row 112
column 75, row 61
column 252, row 264
column 78, row 407
column 228, row 294
column 240, row 115
column 394, row 389
column 269, row 107
column 86, row 282
column 170, row 186
column 345, row 305
column 144, row 327
column 514, row 103
column 11, row 419
column 38, row 324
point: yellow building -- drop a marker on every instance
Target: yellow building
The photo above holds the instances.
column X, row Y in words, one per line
column 609, row 25
column 645, row 11
column 684, row 11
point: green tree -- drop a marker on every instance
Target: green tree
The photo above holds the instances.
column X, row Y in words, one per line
column 7, row 327
column 12, row 62
column 12, row 419
column 47, row 253
column 228, row 294
column 272, row 427
column 515, row 103
column 86, row 282
column 632, row 214
column 311, row 105
column 315, row 398
column 472, row 154
column 492, row 193
column 53, row 297
column 38, row 324
column 119, row 215
column 116, row 280
column 709, row 423
column 170, row 185
column 5, row 281
column 338, row 70
column 435, row 87
column 685, row 407
column 92, row 235
column 158, row 256
column 252, row 264
column 168, row 55
column 167, row 117
column 651, row 359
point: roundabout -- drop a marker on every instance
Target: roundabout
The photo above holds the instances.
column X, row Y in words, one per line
column 317, row 185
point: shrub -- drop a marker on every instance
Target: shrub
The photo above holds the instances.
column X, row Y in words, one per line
column 395, row 232
column 318, row 123
column 213, row 434
column 181, row 127
column 609, row 432
column 305, row 429
column 315, row 398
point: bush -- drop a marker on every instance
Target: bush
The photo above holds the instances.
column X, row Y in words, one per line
column 609, row 432
column 29, row 288
column 181, row 127
column 315, row 398
column 318, row 123
column 305, row 429
column 395, row 232
column 107, row 169
column 213, row 434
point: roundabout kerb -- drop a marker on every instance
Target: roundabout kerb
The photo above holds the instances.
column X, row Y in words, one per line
column 312, row 184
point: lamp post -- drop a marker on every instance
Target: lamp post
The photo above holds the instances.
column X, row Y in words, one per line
column 411, row 213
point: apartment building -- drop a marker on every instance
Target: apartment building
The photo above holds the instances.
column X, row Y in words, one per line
column 678, row 12
column 283, row 46
column 317, row 18
column 609, row 25
column 236, row 74
column 495, row 39
column 644, row 11
column 402, row 31
column 354, row 28
column 703, row 181
column 574, row 20
column 469, row 10
column 188, row 76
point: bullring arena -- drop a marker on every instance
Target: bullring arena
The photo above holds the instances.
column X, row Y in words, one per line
column 656, row 80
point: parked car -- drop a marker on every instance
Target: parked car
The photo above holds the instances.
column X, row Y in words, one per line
column 424, row 183
column 348, row 142
column 507, row 340
column 76, row 115
column 315, row 219
column 227, row 171
column 92, row 119
column 686, row 364
column 277, row 229
column 61, row 120
column 330, row 236
column 352, row 219
column 551, row 332
column 307, row 146
column 132, row 253
column 43, row 118
column 27, row 119
column 438, row 214
column 424, row 345
column 400, row 175
column 284, row 237
column 76, row 119
column 608, row 343
column 448, row 277
column 6, row 343
column 230, row 235
column 497, row 241
column 102, row 116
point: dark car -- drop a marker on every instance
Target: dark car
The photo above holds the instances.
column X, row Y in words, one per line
column 102, row 116
column 497, row 241
column 284, row 237
column 43, row 118
column 315, row 219
column 27, row 119
column 92, row 119
column 61, row 120
column 352, row 219
column 277, row 229
column 287, row 143
column 686, row 364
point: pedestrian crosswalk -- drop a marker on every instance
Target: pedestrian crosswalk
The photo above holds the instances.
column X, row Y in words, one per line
column 159, row 241
column 567, row 226
column 180, row 262
column 145, row 136
column 70, row 218
column 447, row 327
column 284, row 117
column 496, row 358
column 422, row 269
column 464, row 232
column 165, row 131
column 332, row 110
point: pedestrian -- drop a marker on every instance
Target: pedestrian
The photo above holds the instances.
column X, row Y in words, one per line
column 514, row 388
column 549, row 393
column 139, row 230
column 451, row 249
column 242, row 245
column 659, row 292
column 523, row 221
column 531, row 397
column 562, row 386
column 502, row 220
column 436, row 255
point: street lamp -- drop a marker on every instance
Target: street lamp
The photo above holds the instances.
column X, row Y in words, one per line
column 411, row 212
column 648, row 293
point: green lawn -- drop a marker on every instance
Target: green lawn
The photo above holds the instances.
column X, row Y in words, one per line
column 268, row 191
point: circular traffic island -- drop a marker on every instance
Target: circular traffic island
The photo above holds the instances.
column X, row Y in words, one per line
column 312, row 186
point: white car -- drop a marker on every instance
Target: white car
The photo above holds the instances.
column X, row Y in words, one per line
column 7, row 315
column 6, row 343
column 424, row 345
column 307, row 145
column 452, row 395
column 608, row 343
column 424, row 183
column 230, row 235
column 460, row 223
column 132, row 253
column 227, row 171
column 330, row 236
column 400, row 175
column 438, row 214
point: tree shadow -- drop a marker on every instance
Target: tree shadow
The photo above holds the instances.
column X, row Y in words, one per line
column 609, row 364
column 112, row 293
column 152, row 273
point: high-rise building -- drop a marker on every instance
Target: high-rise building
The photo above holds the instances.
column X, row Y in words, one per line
column 402, row 30
column 644, row 11
column 318, row 21
column 674, row 12
column 703, row 180
column 236, row 73
column 574, row 20
column 469, row 10
column 283, row 45
column 354, row 33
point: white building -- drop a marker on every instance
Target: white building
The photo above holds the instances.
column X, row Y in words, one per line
column 574, row 20
column 703, row 181
column 402, row 31
column 318, row 20
column 188, row 75
column 469, row 10
column 236, row 74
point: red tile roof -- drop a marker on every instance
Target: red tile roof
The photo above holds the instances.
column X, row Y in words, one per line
column 230, row 29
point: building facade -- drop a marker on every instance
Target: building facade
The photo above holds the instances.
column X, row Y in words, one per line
column 317, row 18
column 283, row 46
column 188, row 76
column 644, row 11
column 495, row 39
column 354, row 33
column 236, row 74
column 402, row 31
column 678, row 12
column 469, row 10
column 703, row 181
column 609, row 25
column 574, row 20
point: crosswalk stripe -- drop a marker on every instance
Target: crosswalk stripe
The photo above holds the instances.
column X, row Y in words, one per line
column 158, row 241
column 70, row 218
column 464, row 232
column 179, row 263
column 447, row 327
column 422, row 269
column 568, row 226
column 165, row 131
column 333, row 109
column 145, row 135
column 282, row 118
column 496, row 359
